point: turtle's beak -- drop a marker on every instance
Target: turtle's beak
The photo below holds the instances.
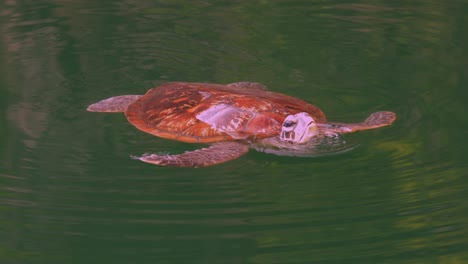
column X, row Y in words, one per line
column 310, row 131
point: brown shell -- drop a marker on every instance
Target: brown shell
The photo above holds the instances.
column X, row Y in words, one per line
column 203, row 112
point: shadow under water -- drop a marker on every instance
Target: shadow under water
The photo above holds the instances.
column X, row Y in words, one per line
column 321, row 145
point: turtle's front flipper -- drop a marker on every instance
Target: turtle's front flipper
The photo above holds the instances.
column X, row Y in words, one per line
column 216, row 153
column 379, row 119
column 376, row 120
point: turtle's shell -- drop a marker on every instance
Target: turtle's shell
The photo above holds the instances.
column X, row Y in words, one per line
column 202, row 112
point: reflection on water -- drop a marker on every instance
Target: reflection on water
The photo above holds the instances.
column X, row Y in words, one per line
column 70, row 193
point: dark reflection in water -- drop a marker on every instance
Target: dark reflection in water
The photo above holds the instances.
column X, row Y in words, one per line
column 69, row 192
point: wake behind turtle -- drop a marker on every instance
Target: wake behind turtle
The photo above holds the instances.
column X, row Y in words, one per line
column 229, row 117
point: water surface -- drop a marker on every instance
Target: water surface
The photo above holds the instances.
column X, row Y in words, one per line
column 70, row 193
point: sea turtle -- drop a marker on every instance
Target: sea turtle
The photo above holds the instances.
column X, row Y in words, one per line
column 226, row 116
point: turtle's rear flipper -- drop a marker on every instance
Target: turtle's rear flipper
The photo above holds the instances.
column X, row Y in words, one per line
column 216, row 153
column 375, row 120
column 113, row 104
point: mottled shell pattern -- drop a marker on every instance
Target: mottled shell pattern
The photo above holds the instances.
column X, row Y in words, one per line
column 203, row 112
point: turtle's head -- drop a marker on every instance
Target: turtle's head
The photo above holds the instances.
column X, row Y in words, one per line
column 298, row 128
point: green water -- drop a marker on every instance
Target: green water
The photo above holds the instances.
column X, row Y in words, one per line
column 70, row 193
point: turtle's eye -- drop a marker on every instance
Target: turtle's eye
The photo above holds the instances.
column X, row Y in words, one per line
column 289, row 123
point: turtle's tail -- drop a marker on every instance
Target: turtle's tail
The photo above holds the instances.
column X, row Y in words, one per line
column 113, row 104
